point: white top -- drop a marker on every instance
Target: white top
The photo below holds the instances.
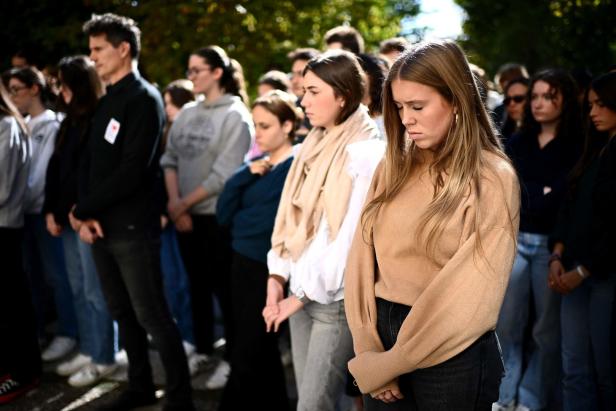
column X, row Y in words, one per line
column 319, row 271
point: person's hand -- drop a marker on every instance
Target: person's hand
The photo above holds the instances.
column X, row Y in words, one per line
column 184, row 223
column 163, row 221
column 75, row 222
column 261, row 166
column 275, row 294
column 90, row 231
column 176, row 207
column 570, row 281
column 555, row 274
column 54, row 228
column 286, row 308
column 389, row 393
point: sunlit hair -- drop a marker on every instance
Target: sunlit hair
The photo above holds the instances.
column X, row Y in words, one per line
column 458, row 162
column 282, row 105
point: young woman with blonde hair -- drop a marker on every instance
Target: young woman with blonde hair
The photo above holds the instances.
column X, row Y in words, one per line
column 429, row 263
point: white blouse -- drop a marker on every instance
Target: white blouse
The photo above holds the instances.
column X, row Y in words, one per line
column 319, row 271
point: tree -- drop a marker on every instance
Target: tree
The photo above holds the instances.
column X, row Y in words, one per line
column 258, row 34
column 565, row 33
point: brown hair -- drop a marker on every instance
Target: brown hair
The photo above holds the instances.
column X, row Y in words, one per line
column 180, row 92
column 282, row 105
column 276, row 79
column 348, row 36
column 341, row 70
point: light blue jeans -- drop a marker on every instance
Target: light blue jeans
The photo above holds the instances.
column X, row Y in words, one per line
column 44, row 263
column 530, row 386
column 321, row 345
column 96, row 331
column 586, row 319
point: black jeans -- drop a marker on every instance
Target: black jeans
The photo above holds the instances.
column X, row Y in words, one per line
column 19, row 349
column 206, row 252
column 256, row 367
column 468, row 381
column 129, row 271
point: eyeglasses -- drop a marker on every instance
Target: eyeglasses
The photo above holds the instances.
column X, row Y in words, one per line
column 516, row 99
column 195, row 71
column 14, row 90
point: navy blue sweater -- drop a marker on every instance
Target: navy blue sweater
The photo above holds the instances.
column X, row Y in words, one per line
column 248, row 204
column 537, row 169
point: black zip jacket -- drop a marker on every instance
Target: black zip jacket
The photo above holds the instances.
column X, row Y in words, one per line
column 120, row 173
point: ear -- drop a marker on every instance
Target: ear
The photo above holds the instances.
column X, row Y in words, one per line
column 287, row 126
column 217, row 72
column 124, row 49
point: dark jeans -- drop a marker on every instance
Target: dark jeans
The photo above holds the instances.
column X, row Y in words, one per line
column 256, row 367
column 129, row 271
column 207, row 254
column 468, row 381
column 19, row 349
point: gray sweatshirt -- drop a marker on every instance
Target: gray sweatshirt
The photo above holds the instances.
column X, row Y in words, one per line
column 206, row 144
column 15, row 152
column 43, row 131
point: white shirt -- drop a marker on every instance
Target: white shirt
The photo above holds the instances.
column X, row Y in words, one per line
column 319, row 271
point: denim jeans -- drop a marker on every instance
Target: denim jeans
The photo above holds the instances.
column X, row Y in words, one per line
column 96, row 333
column 465, row 382
column 322, row 346
column 175, row 280
column 44, row 264
column 129, row 271
column 530, row 385
column 586, row 317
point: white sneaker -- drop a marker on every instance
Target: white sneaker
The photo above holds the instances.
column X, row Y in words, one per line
column 91, row 374
column 189, row 349
column 198, row 362
column 500, row 407
column 219, row 377
column 521, row 407
column 73, row 365
column 59, row 347
column 121, row 357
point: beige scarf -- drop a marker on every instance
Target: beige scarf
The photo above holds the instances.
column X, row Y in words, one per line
column 318, row 182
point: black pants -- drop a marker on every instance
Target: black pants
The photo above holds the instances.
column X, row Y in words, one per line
column 257, row 379
column 206, row 252
column 19, row 350
column 468, row 381
column 129, row 271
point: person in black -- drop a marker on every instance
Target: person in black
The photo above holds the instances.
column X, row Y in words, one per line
column 581, row 265
column 117, row 212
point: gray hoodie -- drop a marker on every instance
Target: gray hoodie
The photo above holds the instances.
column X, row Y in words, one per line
column 206, row 144
column 43, row 131
column 15, row 155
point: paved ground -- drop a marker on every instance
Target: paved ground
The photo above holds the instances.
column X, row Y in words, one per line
column 54, row 393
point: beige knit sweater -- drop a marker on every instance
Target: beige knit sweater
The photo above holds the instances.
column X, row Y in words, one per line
column 455, row 296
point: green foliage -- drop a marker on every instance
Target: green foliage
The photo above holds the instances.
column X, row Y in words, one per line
column 258, row 34
column 565, row 33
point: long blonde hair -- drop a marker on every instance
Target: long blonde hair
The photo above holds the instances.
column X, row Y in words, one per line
column 458, row 161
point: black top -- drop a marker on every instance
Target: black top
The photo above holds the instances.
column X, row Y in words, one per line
column 543, row 178
column 61, row 180
column 603, row 239
column 119, row 174
column 573, row 225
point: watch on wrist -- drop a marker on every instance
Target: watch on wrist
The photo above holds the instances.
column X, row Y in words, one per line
column 301, row 296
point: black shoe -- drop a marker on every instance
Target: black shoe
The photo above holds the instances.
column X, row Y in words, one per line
column 128, row 400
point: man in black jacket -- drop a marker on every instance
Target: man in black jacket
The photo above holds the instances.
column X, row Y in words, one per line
column 116, row 212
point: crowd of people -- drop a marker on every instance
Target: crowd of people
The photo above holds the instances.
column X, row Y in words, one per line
column 434, row 244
